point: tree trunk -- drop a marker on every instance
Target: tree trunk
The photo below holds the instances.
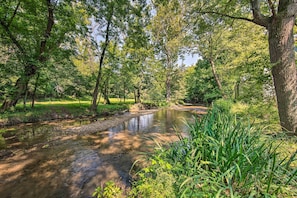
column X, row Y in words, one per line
column 105, row 92
column 20, row 89
column 215, row 75
column 168, row 87
column 106, row 42
column 137, row 94
column 135, row 100
column 34, row 91
column 124, row 92
column 282, row 57
column 236, row 90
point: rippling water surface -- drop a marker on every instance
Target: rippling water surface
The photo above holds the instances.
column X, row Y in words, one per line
column 40, row 160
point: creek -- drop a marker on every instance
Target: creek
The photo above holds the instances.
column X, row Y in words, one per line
column 42, row 160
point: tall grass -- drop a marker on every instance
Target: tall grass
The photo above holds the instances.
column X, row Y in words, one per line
column 221, row 157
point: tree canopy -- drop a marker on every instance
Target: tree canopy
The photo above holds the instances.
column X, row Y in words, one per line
column 132, row 49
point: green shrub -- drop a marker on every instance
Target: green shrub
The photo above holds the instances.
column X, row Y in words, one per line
column 109, row 190
column 223, row 105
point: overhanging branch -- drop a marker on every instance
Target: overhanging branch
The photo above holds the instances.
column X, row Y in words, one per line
column 235, row 17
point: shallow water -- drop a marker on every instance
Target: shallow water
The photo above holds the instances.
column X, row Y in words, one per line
column 41, row 160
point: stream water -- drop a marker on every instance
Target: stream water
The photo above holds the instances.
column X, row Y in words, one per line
column 41, row 160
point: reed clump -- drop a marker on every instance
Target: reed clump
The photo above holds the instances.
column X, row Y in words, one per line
column 221, row 157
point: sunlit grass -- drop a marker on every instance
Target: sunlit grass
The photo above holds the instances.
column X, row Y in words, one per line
column 57, row 109
column 59, row 102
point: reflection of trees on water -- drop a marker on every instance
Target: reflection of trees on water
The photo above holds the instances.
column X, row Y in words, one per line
column 141, row 123
column 163, row 121
column 135, row 125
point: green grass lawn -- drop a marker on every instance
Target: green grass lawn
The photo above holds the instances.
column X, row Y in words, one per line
column 59, row 109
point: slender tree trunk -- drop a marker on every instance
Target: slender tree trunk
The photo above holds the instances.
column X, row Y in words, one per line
column 34, row 91
column 215, row 75
column 105, row 92
column 25, row 97
column 135, row 98
column 124, row 92
column 168, row 86
column 96, row 89
column 137, row 94
column 282, row 57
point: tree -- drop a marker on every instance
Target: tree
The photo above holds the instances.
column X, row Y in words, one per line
column 278, row 17
column 200, row 83
column 39, row 31
column 110, row 17
column 137, row 51
column 168, row 34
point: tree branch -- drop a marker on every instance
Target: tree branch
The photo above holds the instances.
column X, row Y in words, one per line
column 12, row 38
column 14, row 13
column 259, row 18
column 272, row 8
column 50, row 24
column 235, row 17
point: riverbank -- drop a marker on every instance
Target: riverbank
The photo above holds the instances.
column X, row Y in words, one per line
column 62, row 110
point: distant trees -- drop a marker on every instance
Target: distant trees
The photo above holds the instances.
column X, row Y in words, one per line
column 200, row 83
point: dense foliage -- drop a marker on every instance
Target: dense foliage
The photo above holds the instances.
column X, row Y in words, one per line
column 135, row 49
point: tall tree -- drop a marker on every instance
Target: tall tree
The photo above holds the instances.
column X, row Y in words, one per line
column 168, row 33
column 137, row 50
column 278, row 17
column 110, row 16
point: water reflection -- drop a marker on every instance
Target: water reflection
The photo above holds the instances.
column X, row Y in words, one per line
column 135, row 125
column 163, row 121
column 27, row 135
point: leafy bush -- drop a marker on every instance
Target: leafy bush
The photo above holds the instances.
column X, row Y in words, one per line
column 223, row 105
column 155, row 181
column 109, row 190
column 262, row 113
column 221, row 157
